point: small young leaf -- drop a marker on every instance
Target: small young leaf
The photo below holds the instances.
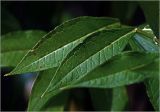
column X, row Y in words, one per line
column 15, row 45
column 53, row 48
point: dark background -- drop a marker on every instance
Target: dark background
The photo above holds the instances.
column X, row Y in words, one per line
column 24, row 15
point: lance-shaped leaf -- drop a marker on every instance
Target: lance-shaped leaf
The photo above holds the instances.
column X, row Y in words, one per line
column 96, row 49
column 48, row 103
column 148, row 44
column 37, row 102
column 53, row 48
column 15, row 45
column 124, row 69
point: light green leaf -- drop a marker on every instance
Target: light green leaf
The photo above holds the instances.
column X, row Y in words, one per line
column 15, row 45
column 97, row 49
column 53, row 48
column 47, row 103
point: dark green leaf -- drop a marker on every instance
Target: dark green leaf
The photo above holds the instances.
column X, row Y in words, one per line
column 15, row 45
column 53, row 48
column 119, row 99
column 101, row 99
column 109, row 99
column 151, row 12
column 124, row 10
column 115, row 72
column 47, row 103
column 119, row 71
column 8, row 22
column 152, row 86
column 149, row 45
column 96, row 49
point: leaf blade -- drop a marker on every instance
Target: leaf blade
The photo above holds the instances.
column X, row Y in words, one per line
column 74, row 31
column 49, row 102
column 82, row 54
column 152, row 86
column 122, row 76
column 12, row 49
column 149, row 46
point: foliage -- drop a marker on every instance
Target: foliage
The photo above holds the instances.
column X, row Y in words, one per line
column 97, row 53
column 88, row 52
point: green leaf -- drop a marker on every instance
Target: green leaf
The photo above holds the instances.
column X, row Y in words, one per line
column 16, row 44
column 101, row 99
column 119, row 71
column 53, row 48
column 152, row 86
column 57, row 103
column 119, row 99
column 8, row 22
column 151, row 12
column 149, row 45
column 123, row 10
column 47, row 103
column 96, row 49
column 109, row 99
